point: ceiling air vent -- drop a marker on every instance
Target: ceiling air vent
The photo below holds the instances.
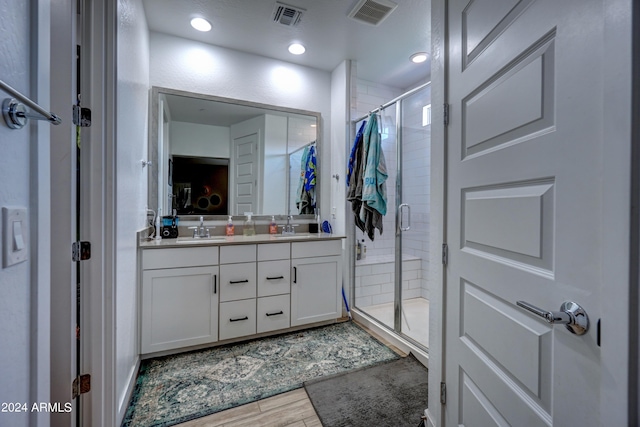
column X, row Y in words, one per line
column 287, row 15
column 372, row 11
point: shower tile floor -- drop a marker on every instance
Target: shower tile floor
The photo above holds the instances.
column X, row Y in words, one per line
column 415, row 319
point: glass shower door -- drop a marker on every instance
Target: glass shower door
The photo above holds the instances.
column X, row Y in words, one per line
column 413, row 215
column 391, row 272
column 375, row 260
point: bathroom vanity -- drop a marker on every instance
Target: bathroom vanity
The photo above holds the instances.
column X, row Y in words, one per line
column 197, row 292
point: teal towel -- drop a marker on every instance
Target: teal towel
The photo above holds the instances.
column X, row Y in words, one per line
column 374, row 191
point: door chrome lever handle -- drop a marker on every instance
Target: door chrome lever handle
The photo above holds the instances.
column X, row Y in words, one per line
column 571, row 314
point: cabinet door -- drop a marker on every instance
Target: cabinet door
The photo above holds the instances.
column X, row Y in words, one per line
column 179, row 308
column 273, row 278
column 237, row 281
column 237, row 318
column 273, row 313
column 315, row 289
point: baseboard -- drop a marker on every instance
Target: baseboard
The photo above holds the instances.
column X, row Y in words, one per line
column 123, row 403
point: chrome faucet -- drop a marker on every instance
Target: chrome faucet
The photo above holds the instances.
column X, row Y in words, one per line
column 201, row 231
column 289, row 228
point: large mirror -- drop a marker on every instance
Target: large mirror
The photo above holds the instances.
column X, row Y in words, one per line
column 221, row 156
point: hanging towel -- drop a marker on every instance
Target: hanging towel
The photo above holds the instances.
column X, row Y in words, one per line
column 374, row 190
column 303, row 168
column 307, row 198
column 352, row 156
column 355, row 181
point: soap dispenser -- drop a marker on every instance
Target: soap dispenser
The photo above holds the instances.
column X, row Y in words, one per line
column 273, row 227
column 248, row 228
column 230, row 227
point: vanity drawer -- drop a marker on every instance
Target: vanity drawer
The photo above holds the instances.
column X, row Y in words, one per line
column 237, row 253
column 273, row 251
column 273, row 313
column 315, row 249
column 179, row 257
column 237, row 318
column 273, row 277
column 237, row 281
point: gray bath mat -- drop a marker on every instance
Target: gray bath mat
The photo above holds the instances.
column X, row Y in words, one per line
column 392, row 394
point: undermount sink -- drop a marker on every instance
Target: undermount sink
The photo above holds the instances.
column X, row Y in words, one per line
column 293, row 236
column 199, row 239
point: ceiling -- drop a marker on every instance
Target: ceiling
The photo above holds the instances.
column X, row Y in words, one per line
column 381, row 52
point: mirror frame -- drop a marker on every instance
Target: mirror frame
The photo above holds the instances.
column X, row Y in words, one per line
column 152, row 174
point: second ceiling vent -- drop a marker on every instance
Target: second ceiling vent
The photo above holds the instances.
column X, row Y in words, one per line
column 287, row 15
column 372, row 11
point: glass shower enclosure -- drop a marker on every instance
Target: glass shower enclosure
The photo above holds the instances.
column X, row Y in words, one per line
column 391, row 273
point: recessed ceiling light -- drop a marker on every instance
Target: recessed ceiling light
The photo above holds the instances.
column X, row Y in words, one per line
column 419, row 57
column 201, row 24
column 296, row 49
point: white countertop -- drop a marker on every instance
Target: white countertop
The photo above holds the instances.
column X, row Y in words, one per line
column 182, row 242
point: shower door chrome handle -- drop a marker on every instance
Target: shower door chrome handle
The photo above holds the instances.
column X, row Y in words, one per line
column 405, row 205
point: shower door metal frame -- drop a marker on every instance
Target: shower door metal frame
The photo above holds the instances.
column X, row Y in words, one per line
column 397, row 303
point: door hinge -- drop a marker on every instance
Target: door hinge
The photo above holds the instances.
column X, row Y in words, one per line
column 81, row 385
column 443, row 393
column 80, row 251
column 445, row 114
column 81, row 116
column 445, row 253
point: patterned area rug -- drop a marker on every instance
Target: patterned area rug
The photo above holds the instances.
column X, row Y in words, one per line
column 173, row 389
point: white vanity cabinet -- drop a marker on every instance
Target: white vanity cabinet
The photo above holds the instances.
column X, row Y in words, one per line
column 179, row 296
column 199, row 295
column 316, row 282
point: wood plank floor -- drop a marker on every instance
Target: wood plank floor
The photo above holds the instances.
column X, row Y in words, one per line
column 292, row 409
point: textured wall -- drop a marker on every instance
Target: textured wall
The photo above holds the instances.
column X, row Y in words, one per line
column 132, row 123
column 14, row 191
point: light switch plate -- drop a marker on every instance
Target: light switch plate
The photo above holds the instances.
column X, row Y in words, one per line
column 15, row 236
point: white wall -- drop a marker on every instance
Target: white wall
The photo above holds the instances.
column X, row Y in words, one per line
column 193, row 139
column 131, row 181
column 197, row 67
column 340, row 128
column 21, row 183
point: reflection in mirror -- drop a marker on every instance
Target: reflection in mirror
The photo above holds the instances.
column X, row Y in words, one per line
column 220, row 156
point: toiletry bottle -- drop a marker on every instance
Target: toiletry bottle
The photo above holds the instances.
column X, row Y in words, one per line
column 273, row 227
column 159, row 225
column 248, row 228
column 230, row 227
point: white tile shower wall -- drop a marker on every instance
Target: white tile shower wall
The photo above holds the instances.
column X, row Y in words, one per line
column 378, row 287
column 375, row 278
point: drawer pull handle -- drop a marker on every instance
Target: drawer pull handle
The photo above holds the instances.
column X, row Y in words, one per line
column 239, row 319
column 234, row 282
column 275, row 278
column 275, row 314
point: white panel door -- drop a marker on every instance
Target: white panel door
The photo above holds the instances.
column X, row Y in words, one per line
column 245, row 158
column 524, row 210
